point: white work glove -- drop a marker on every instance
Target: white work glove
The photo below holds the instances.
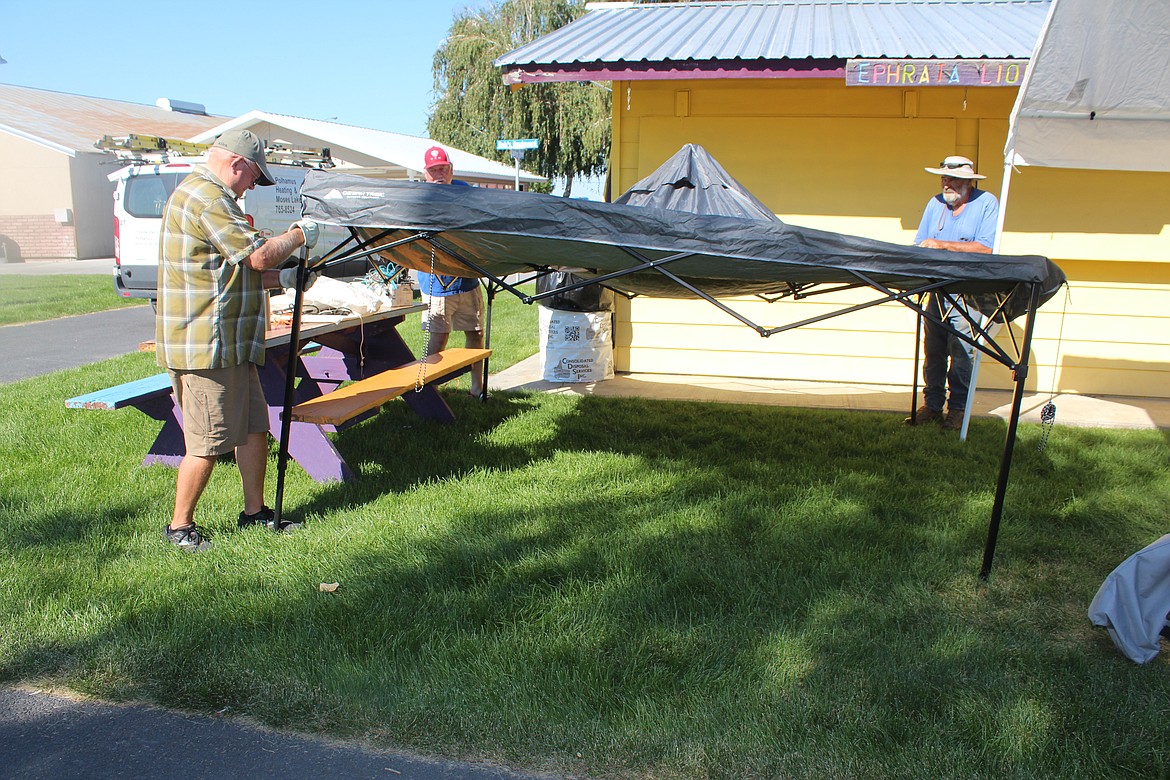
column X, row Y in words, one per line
column 311, row 231
column 288, row 278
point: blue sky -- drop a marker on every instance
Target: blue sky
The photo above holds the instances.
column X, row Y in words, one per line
column 360, row 63
column 363, row 63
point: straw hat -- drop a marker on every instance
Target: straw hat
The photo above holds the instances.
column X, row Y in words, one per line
column 957, row 168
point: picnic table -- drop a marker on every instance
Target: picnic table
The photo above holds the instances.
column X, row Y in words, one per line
column 330, row 350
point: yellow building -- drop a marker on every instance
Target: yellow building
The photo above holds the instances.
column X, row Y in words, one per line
column 835, row 135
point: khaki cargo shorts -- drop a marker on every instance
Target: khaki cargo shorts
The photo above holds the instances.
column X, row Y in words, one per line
column 221, row 407
column 462, row 311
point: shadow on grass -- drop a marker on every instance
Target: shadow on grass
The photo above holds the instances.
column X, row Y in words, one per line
column 685, row 589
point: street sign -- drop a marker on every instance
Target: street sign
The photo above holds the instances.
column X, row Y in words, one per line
column 519, row 143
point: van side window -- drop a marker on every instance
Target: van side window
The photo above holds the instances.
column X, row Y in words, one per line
column 145, row 196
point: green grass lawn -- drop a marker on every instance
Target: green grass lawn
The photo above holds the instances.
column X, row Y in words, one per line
column 37, row 298
column 606, row 588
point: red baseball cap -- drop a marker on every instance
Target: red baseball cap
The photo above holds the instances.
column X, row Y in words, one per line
column 436, row 155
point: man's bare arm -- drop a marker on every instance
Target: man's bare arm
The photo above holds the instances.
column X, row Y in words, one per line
column 957, row 246
column 276, row 250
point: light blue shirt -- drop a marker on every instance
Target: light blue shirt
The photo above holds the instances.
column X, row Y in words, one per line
column 975, row 222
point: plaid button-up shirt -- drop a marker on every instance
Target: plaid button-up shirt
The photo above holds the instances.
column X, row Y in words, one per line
column 211, row 310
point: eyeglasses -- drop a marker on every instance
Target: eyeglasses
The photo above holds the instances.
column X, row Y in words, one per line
column 257, row 174
column 954, row 165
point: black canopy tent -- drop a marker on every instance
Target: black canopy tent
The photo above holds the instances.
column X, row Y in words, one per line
column 492, row 234
column 692, row 180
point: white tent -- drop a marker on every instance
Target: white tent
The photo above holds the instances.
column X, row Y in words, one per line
column 1097, row 90
column 1096, row 95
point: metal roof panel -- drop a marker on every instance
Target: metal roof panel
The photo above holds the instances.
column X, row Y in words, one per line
column 63, row 121
column 789, row 30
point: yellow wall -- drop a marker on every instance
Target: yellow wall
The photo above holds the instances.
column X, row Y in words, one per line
column 851, row 160
column 36, row 179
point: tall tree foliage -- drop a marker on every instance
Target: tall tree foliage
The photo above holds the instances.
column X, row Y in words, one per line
column 475, row 108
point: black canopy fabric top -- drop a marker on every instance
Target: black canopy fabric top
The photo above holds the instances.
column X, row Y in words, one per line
column 499, row 232
column 692, row 180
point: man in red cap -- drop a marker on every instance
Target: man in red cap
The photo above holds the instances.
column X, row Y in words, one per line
column 453, row 302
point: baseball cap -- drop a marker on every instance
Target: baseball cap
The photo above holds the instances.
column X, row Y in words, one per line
column 957, row 168
column 436, row 155
column 247, row 145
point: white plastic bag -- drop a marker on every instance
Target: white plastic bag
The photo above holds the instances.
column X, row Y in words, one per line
column 575, row 346
column 331, row 295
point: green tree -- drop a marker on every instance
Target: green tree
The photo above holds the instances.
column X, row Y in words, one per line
column 475, row 108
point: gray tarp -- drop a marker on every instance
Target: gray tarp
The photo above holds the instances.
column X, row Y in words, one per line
column 1133, row 603
column 692, row 180
column 504, row 232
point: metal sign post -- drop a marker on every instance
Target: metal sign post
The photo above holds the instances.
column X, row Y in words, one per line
column 517, row 146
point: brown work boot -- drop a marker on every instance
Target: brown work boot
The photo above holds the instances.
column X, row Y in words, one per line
column 953, row 421
column 923, row 416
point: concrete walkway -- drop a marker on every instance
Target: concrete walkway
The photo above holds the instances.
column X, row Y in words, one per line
column 103, row 266
column 53, row 345
column 49, row 736
column 1074, row 410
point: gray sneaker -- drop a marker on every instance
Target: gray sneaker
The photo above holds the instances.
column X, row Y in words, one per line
column 267, row 517
column 188, row 538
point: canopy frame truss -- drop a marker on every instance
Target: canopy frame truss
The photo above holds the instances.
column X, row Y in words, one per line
column 982, row 336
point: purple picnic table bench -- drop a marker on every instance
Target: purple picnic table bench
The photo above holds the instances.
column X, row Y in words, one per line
column 331, row 350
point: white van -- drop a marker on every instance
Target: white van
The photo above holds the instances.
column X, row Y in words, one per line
column 141, row 192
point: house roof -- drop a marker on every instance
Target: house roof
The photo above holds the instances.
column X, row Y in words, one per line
column 399, row 155
column 622, row 40
column 70, row 124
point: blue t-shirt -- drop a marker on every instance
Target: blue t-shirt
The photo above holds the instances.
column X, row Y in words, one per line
column 976, row 221
column 441, row 286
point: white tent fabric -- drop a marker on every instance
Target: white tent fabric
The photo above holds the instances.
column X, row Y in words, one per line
column 1133, row 602
column 1097, row 90
column 1096, row 95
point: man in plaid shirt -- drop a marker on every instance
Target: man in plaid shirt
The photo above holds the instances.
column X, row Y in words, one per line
column 211, row 323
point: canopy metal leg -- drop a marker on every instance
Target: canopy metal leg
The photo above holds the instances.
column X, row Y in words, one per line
column 294, row 354
column 487, row 339
column 1005, row 462
column 917, row 359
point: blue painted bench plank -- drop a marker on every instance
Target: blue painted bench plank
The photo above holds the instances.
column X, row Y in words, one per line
column 123, row 395
column 151, row 396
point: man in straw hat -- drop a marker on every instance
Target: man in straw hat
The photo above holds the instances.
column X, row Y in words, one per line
column 961, row 218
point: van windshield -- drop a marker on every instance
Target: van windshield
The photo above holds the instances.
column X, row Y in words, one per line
column 145, row 196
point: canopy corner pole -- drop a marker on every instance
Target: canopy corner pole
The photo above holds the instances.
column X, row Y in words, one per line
column 1020, row 375
column 487, row 337
column 290, row 379
column 917, row 359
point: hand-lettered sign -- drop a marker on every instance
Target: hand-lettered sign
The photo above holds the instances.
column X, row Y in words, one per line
column 934, row 73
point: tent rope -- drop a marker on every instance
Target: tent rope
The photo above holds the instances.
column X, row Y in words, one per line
column 1048, row 411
